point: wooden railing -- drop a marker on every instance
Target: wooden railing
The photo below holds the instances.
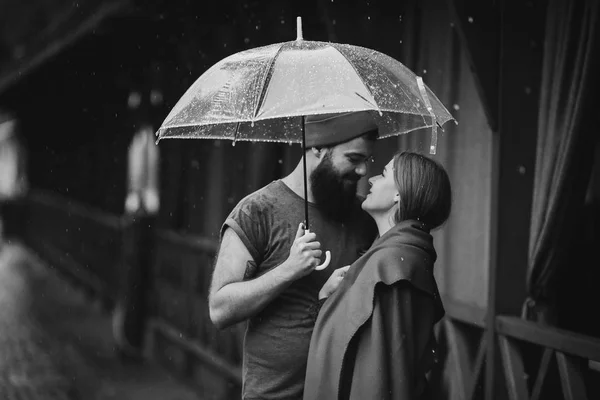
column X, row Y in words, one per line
column 83, row 243
column 537, row 362
column 93, row 248
column 183, row 335
column 575, row 356
column 528, row 351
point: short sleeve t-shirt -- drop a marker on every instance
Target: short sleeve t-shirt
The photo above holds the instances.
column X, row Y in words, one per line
column 277, row 339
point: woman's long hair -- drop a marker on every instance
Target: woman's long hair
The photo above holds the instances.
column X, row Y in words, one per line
column 424, row 188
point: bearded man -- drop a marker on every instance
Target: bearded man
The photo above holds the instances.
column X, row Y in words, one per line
column 265, row 268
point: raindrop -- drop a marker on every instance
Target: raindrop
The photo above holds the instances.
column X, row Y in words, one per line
column 402, row 258
column 470, row 19
column 333, row 22
column 257, row 27
column 247, row 40
column 280, row 161
column 224, row 44
column 369, row 17
column 400, row 18
column 156, row 96
column 527, row 90
column 400, row 41
column 282, row 21
column 456, row 107
column 451, row 24
column 233, row 144
column 134, row 100
column 424, row 71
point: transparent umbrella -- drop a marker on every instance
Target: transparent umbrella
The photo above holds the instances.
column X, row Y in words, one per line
column 263, row 94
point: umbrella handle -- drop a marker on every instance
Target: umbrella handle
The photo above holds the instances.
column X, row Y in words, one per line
column 326, row 262
column 327, row 256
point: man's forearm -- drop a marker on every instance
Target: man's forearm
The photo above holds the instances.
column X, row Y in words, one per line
column 238, row 301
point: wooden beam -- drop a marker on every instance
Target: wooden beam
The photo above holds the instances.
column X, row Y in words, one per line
column 570, row 377
column 198, row 244
column 463, row 312
column 514, row 370
column 458, row 350
column 23, row 68
column 541, row 375
column 478, row 25
column 231, row 372
column 477, row 367
column 514, row 145
column 557, row 339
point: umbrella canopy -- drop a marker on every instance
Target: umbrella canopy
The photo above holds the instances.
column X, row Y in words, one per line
column 262, row 94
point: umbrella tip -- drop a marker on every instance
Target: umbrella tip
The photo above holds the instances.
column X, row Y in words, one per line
column 299, row 28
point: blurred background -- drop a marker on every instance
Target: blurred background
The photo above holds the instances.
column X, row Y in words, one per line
column 132, row 226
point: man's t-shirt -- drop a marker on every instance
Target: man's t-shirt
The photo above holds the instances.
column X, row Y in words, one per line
column 277, row 339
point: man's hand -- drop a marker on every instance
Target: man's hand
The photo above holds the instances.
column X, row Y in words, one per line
column 305, row 254
column 333, row 282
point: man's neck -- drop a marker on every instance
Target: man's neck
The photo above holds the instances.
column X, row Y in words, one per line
column 295, row 181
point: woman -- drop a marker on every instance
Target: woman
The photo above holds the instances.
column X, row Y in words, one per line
column 373, row 338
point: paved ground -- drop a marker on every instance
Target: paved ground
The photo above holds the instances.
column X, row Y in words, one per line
column 55, row 344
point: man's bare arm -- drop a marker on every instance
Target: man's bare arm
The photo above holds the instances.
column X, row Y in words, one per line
column 233, row 298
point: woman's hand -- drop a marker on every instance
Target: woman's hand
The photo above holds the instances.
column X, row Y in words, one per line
column 333, row 282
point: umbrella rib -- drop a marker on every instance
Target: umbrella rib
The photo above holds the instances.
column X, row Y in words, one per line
column 359, row 77
column 266, row 79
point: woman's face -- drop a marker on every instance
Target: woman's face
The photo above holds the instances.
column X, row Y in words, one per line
column 383, row 194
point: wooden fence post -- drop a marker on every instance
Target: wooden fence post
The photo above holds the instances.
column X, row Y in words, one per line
column 132, row 310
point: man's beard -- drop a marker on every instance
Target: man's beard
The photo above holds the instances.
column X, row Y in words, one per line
column 334, row 194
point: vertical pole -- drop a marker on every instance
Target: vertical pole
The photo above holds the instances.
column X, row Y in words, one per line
column 135, row 283
column 305, row 178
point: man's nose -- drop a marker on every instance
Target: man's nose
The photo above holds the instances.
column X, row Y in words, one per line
column 362, row 169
